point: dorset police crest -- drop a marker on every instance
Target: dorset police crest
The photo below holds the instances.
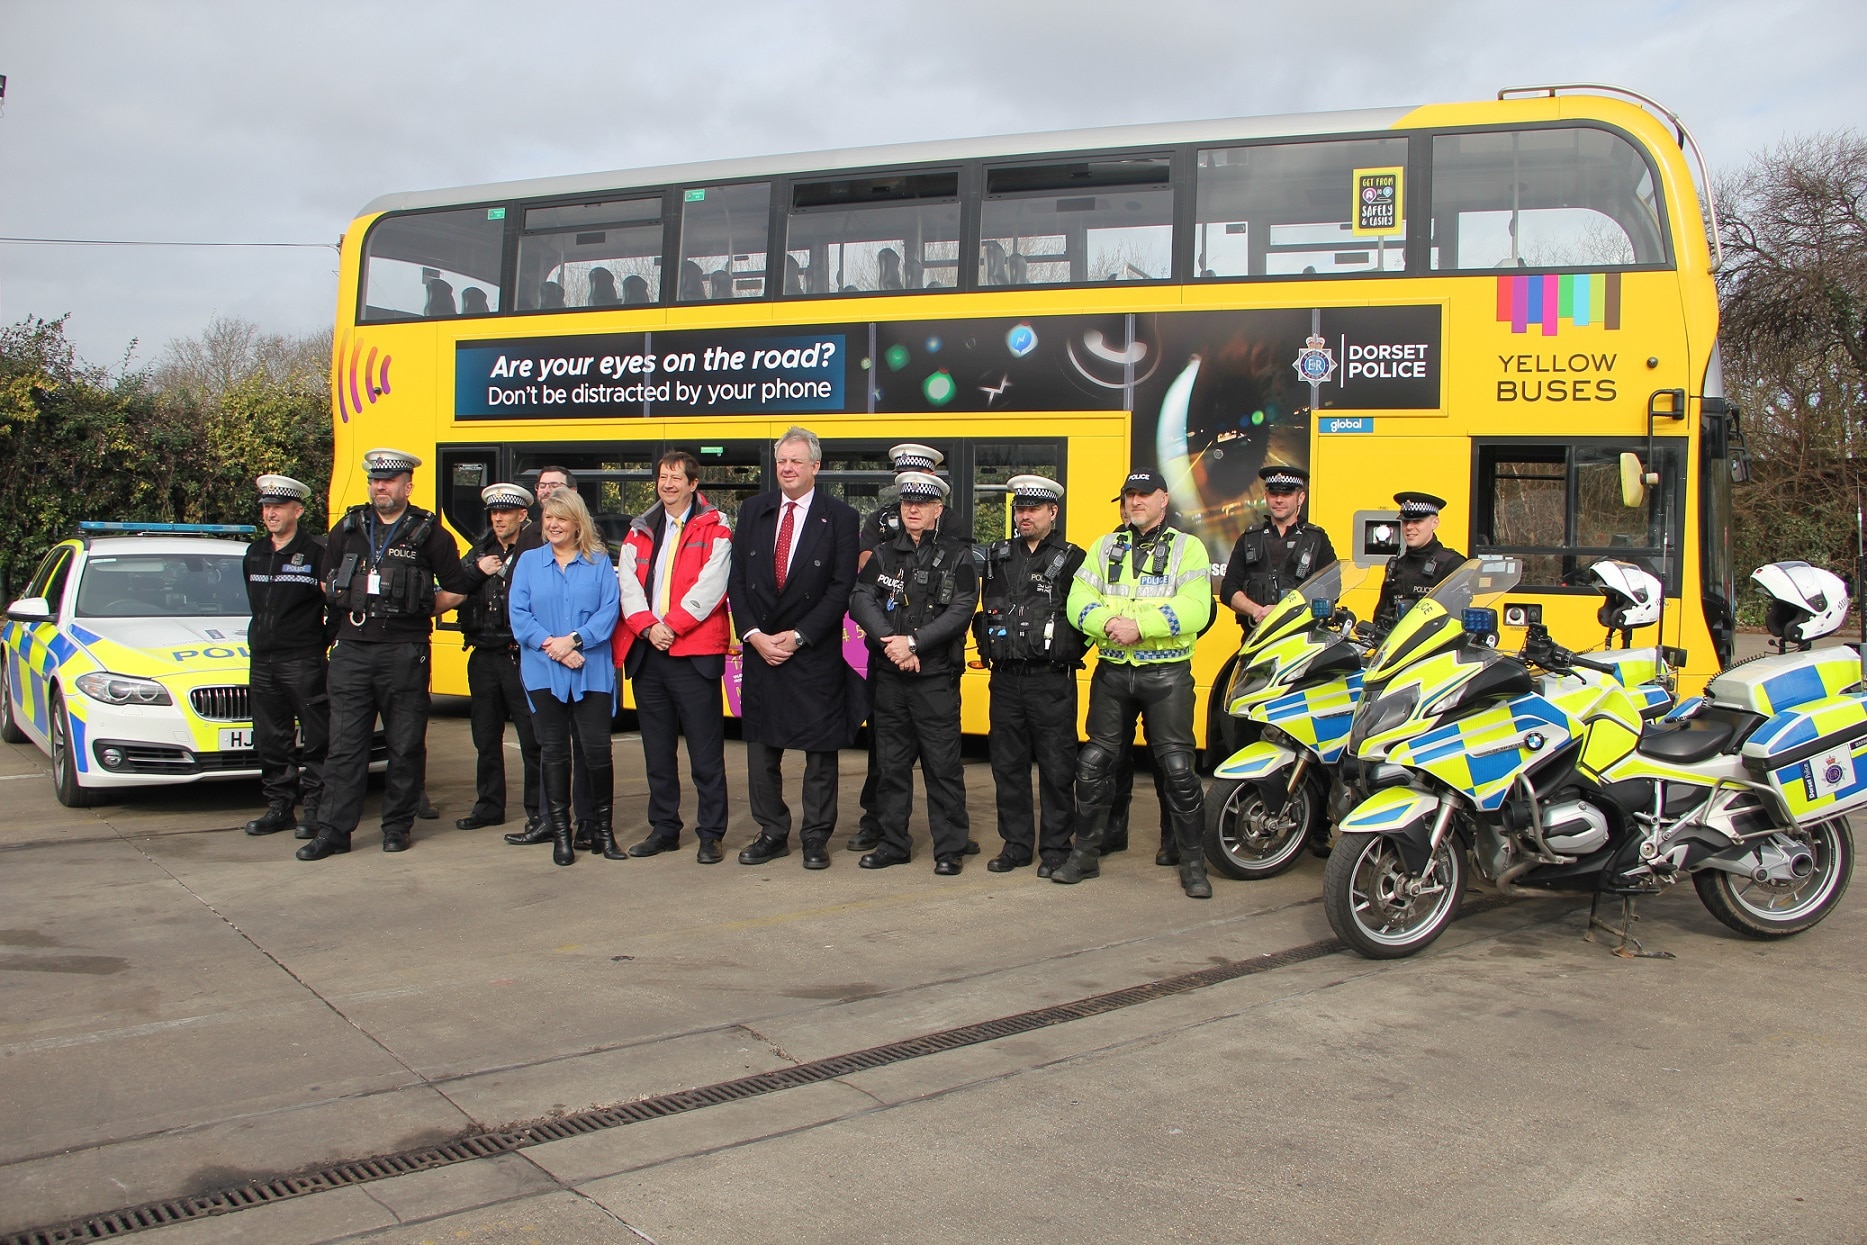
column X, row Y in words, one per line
column 1315, row 362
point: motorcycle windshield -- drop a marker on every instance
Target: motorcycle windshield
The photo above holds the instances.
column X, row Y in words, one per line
column 1293, row 610
column 1438, row 620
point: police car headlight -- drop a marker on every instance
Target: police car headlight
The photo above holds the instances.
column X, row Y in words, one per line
column 117, row 689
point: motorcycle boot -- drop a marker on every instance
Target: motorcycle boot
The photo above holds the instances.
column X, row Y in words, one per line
column 1085, row 859
column 1186, row 815
column 328, row 842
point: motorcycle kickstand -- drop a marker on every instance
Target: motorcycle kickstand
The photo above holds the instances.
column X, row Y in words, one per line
column 1625, row 932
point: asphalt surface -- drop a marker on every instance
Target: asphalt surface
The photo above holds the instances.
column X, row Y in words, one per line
column 183, row 1008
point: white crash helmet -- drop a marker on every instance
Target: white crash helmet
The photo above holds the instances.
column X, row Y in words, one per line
column 1806, row 602
column 1633, row 595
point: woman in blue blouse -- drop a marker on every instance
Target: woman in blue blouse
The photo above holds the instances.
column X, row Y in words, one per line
column 563, row 605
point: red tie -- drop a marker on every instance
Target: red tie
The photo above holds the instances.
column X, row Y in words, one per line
column 784, row 542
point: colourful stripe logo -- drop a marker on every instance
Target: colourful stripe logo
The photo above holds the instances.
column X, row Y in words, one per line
column 1580, row 298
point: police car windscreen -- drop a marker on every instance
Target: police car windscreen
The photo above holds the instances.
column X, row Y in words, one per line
column 162, row 585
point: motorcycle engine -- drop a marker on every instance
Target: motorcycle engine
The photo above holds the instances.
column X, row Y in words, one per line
column 1574, row 828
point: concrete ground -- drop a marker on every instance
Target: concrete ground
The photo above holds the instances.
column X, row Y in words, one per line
column 183, row 1007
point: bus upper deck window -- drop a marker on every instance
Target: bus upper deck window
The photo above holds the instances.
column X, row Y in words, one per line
column 871, row 234
column 1549, row 197
column 1081, row 223
column 431, row 264
column 579, row 255
column 723, row 242
column 1287, row 209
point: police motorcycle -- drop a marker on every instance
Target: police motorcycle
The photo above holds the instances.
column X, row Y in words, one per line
column 1299, row 677
column 1554, row 782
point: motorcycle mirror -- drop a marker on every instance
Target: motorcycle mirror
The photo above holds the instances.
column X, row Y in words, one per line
column 1633, row 481
column 1674, row 657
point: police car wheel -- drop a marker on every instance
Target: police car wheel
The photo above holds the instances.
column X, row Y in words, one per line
column 9, row 726
column 64, row 767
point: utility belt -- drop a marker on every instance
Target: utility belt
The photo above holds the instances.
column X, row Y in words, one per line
column 1023, row 634
column 403, row 589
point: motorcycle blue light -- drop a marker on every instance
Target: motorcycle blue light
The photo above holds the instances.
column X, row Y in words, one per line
column 1478, row 621
column 1320, row 607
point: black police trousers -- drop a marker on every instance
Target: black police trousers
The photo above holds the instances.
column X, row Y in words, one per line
column 367, row 679
column 1163, row 697
column 499, row 697
column 288, row 699
column 917, row 717
column 1034, row 718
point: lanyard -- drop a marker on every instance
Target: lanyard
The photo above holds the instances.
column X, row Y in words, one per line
column 388, row 538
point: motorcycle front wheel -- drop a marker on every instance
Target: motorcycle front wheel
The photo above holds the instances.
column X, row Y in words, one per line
column 1779, row 909
column 1245, row 841
column 1379, row 909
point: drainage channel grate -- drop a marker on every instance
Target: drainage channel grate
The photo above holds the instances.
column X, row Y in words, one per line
column 521, row 1136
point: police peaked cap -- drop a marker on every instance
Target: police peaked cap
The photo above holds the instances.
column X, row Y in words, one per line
column 282, row 488
column 911, row 457
column 1418, row 505
column 1284, row 477
column 921, row 486
column 506, row 497
column 1034, row 491
column 388, row 464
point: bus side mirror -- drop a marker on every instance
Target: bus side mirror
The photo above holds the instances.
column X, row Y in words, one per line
column 1634, row 481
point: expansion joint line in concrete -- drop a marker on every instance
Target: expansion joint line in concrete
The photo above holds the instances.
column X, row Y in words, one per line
column 539, row 1132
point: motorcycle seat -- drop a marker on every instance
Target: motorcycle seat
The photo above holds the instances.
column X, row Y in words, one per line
column 1685, row 743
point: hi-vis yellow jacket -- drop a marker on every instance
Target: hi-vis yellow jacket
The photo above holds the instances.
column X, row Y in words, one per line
column 1170, row 596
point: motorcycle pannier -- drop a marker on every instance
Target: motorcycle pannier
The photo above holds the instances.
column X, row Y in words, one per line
column 1814, row 758
column 1769, row 685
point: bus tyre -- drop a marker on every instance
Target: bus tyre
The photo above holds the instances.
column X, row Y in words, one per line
column 1243, row 840
column 1779, row 909
column 1380, row 910
column 9, row 726
column 64, row 766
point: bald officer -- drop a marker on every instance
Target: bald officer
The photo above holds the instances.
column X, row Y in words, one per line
column 1416, row 570
column 383, row 560
column 287, row 639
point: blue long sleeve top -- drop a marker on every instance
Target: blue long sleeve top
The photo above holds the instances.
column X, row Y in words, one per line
column 546, row 600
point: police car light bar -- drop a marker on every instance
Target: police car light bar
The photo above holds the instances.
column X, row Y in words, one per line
column 170, row 529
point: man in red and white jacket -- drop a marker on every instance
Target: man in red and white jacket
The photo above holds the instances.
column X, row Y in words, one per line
column 672, row 646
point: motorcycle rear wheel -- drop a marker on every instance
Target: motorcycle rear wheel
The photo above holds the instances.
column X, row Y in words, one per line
column 1244, row 841
column 1779, row 909
column 1362, row 893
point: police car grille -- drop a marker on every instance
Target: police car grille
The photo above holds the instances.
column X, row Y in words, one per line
column 222, row 704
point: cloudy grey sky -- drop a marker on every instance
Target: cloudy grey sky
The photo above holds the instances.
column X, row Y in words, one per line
column 275, row 121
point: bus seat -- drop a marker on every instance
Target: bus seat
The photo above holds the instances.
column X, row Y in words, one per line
column 440, row 298
column 473, row 302
column 602, row 288
column 634, row 291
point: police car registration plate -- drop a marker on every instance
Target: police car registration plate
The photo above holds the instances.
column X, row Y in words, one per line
column 236, row 739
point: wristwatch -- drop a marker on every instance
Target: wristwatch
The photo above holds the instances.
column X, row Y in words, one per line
column 914, row 649
column 576, row 640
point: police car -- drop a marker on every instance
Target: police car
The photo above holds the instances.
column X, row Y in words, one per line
column 126, row 660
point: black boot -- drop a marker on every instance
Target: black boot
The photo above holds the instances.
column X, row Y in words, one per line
column 1086, row 853
column 602, row 833
column 562, row 853
column 277, row 817
column 307, row 823
column 328, row 842
column 582, row 838
column 537, row 830
column 1189, row 828
column 1169, row 853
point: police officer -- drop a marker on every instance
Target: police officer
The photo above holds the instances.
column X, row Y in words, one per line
column 915, row 600
column 382, row 562
column 1025, row 636
column 1416, row 570
column 498, row 695
column 1271, row 559
column 884, row 524
column 287, row 639
column 1144, row 594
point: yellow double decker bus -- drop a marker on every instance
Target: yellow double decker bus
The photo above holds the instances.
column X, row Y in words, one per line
column 1491, row 301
